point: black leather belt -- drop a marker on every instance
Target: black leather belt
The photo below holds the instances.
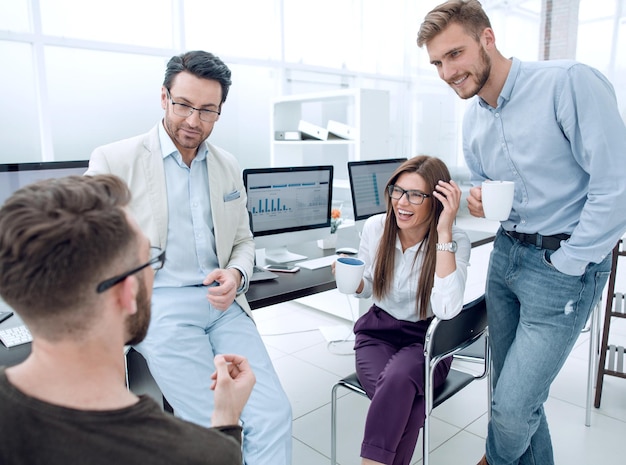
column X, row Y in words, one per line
column 539, row 241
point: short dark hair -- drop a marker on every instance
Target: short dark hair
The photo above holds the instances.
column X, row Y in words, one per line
column 58, row 239
column 467, row 13
column 201, row 64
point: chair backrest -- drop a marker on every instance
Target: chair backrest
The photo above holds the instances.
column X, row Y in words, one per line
column 448, row 336
column 443, row 338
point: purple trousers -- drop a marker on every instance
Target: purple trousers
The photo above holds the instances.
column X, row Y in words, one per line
column 390, row 366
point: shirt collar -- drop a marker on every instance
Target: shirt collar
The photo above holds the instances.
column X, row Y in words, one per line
column 507, row 89
column 413, row 248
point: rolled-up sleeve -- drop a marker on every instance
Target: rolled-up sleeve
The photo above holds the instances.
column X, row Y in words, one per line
column 447, row 296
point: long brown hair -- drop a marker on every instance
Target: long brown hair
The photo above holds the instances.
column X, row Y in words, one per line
column 432, row 170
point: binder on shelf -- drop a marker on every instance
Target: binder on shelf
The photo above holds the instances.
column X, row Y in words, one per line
column 340, row 130
column 287, row 135
column 312, row 131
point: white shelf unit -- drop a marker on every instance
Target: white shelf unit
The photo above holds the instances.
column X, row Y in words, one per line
column 365, row 110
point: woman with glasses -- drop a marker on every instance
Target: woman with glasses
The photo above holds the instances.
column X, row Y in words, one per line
column 416, row 266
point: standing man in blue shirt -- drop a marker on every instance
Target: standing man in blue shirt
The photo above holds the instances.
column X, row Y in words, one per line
column 553, row 128
column 188, row 194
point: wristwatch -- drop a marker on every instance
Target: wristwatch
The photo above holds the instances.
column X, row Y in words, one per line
column 447, row 247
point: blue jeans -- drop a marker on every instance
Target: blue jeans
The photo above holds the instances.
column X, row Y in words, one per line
column 185, row 333
column 535, row 315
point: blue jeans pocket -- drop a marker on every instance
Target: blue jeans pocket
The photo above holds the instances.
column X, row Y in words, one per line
column 546, row 257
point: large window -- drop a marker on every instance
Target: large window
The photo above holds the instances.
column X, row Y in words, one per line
column 250, row 29
column 602, row 42
column 322, row 33
column 77, row 74
column 145, row 23
column 20, row 115
column 96, row 97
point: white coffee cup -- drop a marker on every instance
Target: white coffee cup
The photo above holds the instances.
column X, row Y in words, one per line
column 497, row 199
column 348, row 274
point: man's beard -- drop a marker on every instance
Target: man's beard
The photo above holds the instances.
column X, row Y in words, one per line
column 482, row 78
column 137, row 324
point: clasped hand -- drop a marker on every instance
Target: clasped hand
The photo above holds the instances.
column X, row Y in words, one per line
column 222, row 295
column 232, row 384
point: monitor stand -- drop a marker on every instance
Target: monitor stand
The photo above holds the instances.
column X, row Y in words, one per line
column 282, row 255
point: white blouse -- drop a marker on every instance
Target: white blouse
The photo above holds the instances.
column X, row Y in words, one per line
column 446, row 299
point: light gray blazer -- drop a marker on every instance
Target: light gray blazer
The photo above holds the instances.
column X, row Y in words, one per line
column 139, row 161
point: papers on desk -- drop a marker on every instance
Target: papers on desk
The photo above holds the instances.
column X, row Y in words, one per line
column 316, row 263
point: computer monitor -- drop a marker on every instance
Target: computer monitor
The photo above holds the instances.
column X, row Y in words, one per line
column 368, row 179
column 287, row 206
column 16, row 175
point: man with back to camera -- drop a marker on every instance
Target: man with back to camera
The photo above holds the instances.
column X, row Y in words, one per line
column 77, row 269
column 189, row 194
column 552, row 127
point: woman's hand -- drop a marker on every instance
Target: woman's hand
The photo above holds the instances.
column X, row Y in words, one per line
column 449, row 194
column 359, row 289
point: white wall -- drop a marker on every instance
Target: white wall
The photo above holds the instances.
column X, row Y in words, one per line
column 78, row 74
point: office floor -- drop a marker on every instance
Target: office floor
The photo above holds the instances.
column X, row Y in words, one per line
column 309, row 365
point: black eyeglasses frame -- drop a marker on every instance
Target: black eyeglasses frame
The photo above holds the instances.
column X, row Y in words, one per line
column 201, row 111
column 422, row 195
column 158, row 259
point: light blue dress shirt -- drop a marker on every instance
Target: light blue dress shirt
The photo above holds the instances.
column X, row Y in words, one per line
column 190, row 238
column 557, row 133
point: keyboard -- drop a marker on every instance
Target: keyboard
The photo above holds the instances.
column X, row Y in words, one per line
column 15, row 336
column 316, row 263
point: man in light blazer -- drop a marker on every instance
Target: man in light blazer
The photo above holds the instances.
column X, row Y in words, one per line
column 188, row 197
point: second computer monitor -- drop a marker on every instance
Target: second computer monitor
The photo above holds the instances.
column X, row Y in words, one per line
column 368, row 179
column 16, row 175
column 288, row 206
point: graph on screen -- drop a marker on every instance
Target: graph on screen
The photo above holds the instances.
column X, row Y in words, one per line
column 367, row 185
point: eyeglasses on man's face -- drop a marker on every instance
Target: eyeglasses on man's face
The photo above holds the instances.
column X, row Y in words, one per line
column 157, row 259
column 413, row 196
column 185, row 111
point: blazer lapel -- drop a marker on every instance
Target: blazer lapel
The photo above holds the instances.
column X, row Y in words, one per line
column 152, row 161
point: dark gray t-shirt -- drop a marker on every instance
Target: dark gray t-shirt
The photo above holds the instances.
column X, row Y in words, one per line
column 34, row 432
